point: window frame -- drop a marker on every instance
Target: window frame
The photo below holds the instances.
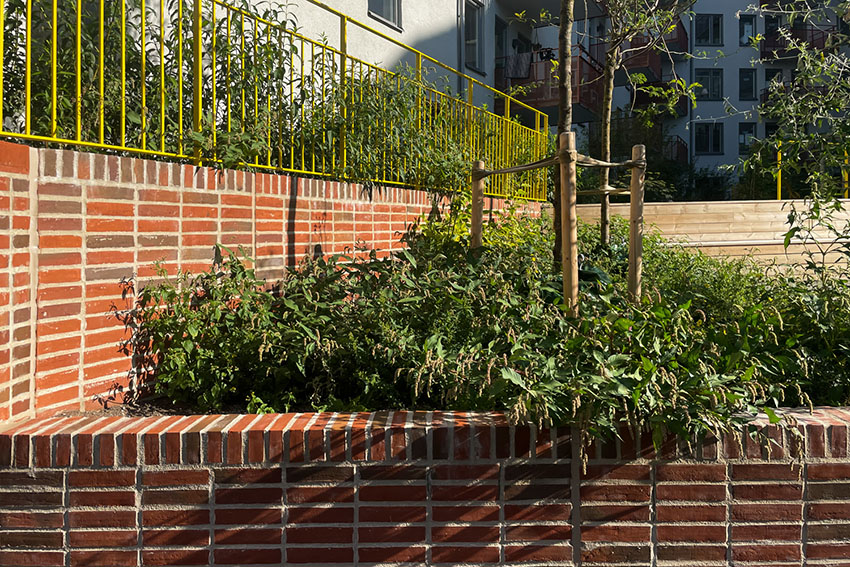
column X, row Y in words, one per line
column 478, row 65
column 375, row 15
column 754, row 74
column 742, row 41
column 712, row 41
column 715, row 73
column 716, row 131
column 775, row 72
column 746, row 148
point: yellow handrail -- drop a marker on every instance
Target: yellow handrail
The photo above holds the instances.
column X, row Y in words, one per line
column 845, row 174
column 295, row 114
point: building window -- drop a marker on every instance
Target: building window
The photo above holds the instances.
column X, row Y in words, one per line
column 770, row 129
column 708, row 138
column 501, row 42
column 771, row 25
column 747, row 84
column 708, row 29
column 388, row 11
column 771, row 75
column 712, row 84
column 746, row 135
column 746, row 29
column 473, row 27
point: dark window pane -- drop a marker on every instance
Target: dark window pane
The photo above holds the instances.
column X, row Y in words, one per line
column 701, row 34
column 717, row 141
column 701, row 138
column 389, row 10
column 472, row 35
column 747, row 84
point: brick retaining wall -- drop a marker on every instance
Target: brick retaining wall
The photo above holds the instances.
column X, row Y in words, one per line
column 413, row 488
column 73, row 224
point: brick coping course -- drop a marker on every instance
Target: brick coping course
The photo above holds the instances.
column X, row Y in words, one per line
column 111, row 441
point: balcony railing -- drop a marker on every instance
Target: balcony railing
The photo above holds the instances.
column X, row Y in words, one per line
column 676, row 149
column 642, row 99
column 677, row 41
column 647, row 61
column 535, row 72
column 776, row 45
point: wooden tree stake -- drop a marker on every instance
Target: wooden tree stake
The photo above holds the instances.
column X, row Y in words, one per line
column 569, row 220
column 476, row 239
column 636, row 224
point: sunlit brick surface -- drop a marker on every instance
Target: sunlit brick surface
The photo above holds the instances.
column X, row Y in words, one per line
column 432, row 488
column 72, row 225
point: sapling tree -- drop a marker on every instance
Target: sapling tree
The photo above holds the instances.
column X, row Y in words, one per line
column 635, row 27
column 565, row 109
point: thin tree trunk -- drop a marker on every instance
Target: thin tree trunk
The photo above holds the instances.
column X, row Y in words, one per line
column 565, row 108
column 611, row 58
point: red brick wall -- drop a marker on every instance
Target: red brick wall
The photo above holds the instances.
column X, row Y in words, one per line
column 419, row 488
column 73, row 224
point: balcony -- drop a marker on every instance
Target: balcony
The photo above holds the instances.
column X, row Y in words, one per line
column 533, row 72
column 675, row 149
column 677, row 42
column 764, row 96
column 775, row 45
column 646, row 62
column 642, row 99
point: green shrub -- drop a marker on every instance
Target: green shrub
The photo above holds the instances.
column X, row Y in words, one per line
column 435, row 326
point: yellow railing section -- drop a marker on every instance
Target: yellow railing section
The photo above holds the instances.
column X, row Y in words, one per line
column 209, row 81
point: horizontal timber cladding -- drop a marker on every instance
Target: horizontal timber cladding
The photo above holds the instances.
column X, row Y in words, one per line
column 73, row 224
column 726, row 228
column 416, row 488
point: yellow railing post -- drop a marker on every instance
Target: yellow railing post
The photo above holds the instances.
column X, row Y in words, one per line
column 179, row 76
column 419, row 113
column 143, row 111
column 101, row 126
column 124, row 70
column 506, row 139
column 343, row 50
column 28, row 71
column 78, row 91
column 197, row 76
column 846, row 174
column 2, row 52
column 53, row 25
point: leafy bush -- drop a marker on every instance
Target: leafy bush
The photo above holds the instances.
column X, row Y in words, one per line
column 435, row 326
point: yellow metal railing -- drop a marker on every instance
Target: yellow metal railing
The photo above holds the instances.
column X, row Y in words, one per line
column 208, row 81
column 845, row 174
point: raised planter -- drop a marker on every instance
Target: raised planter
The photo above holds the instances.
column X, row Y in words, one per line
column 418, row 488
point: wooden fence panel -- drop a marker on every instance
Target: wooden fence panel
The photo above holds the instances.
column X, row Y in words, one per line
column 722, row 228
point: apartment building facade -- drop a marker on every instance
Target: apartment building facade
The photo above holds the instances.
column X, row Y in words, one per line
column 470, row 36
column 734, row 74
column 713, row 46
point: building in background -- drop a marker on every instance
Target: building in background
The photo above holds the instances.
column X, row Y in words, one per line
column 711, row 46
column 471, row 36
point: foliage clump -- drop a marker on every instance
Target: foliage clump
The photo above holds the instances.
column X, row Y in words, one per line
column 439, row 326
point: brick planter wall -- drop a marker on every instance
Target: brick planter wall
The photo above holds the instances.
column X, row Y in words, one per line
column 73, row 224
column 413, row 488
